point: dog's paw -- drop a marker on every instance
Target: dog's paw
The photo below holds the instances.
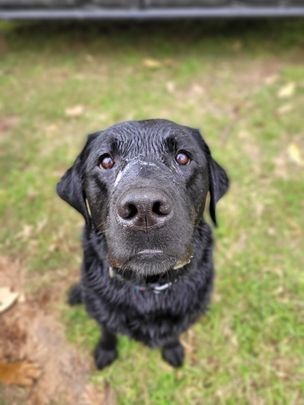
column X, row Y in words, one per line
column 75, row 295
column 174, row 355
column 104, row 358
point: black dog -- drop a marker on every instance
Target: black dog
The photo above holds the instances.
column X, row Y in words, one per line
column 147, row 270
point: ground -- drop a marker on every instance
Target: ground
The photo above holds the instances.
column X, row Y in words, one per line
column 242, row 83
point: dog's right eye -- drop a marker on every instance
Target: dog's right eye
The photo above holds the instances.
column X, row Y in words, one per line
column 106, row 161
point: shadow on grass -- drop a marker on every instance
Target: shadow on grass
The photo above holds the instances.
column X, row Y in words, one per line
column 262, row 34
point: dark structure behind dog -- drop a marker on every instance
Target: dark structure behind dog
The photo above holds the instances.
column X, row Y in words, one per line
column 147, row 270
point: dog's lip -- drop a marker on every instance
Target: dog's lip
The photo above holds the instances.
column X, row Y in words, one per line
column 150, row 252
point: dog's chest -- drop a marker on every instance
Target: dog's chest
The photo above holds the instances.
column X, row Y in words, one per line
column 144, row 315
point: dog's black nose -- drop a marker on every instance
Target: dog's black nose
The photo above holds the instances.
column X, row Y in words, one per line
column 144, row 208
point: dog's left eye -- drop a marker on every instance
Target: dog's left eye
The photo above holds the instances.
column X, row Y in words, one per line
column 106, row 162
column 182, row 158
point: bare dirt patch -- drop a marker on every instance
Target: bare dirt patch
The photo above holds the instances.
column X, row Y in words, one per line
column 29, row 330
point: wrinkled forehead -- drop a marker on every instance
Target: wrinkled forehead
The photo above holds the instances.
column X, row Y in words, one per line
column 146, row 138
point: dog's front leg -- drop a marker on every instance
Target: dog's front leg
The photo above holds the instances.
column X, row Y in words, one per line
column 75, row 294
column 173, row 352
column 105, row 352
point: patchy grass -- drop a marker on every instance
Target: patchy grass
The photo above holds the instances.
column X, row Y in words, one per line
column 242, row 83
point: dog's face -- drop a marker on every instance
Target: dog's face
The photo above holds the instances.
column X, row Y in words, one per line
column 143, row 184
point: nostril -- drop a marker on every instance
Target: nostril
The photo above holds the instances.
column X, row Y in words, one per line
column 161, row 208
column 132, row 211
column 128, row 211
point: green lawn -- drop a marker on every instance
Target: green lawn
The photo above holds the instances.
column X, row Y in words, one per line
column 242, row 83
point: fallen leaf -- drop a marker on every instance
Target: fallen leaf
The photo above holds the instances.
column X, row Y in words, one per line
column 90, row 58
column 271, row 231
column 197, row 89
column 287, row 90
column 294, row 154
column 51, row 128
column 237, row 45
column 21, row 298
column 52, row 247
column 109, row 395
column 170, row 86
column 7, row 123
column 284, row 109
column 271, row 79
column 41, row 224
column 93, row 396
column 7, row 298
column 169, row 62
column 244, row 134
column 74, row 111
column 25, row 233
column 22, row 373
column 152, row 63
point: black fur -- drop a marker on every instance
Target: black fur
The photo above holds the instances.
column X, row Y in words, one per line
column 116, row 303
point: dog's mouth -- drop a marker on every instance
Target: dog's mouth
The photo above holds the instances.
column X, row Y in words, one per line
column 145, row 262
column 149, row 262
column 164, row 278
column 147, row 253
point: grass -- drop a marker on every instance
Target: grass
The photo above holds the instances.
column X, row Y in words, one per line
column 224, row 77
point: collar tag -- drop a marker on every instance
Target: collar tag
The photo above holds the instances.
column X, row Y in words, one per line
column 159, row 288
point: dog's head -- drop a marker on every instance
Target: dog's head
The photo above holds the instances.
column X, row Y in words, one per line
column 143, row 184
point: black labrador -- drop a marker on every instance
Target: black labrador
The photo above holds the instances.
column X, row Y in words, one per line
column 147, row 269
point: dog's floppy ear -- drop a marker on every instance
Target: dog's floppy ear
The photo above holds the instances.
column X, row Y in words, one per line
column 218, row 179
column 218, row 184
column 70, row 187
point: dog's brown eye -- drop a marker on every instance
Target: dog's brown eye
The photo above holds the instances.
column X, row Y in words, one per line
column 106, row 162
column 182, row 158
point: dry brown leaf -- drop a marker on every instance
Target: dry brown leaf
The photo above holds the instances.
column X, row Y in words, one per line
column 51, row 128
column 90, row 58
column 237, row 45
column 74, row 111
column 284, row 109
column 21, row 373
column 170, row 86
column 287, row 90
column 52, row 247
column 41, row 224
column 26, row 232
column 92, row 396
column 271, row 79
column 152, row 63
column 7, row 123
column 109, row 395
column 7, row 298
column 169, row 62
column 294, row 154
column 197, row 89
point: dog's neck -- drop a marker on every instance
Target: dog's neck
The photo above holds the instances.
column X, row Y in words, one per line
column 155, row 283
